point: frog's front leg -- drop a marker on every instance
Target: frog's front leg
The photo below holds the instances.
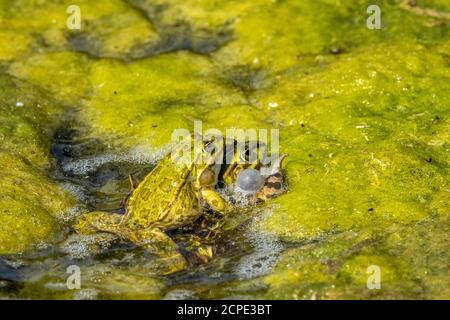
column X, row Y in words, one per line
column 97, row 221
column 98, row 225
column 215, row 200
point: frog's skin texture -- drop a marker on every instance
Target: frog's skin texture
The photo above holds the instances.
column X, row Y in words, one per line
column 274, row 183
column 172, row 195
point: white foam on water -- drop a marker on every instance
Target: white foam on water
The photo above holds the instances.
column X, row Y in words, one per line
column 75, row 190
column 244, row 199
column 71, row 213
column 78, row 193
column 86, row 294
column 138, row 155
column 79, row 246
column 180, row 294
column 266, row 252
column 42, row 245
column 232, row 194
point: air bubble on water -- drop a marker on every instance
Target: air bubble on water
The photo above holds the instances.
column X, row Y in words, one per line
column 266, row 252
column 138, row 155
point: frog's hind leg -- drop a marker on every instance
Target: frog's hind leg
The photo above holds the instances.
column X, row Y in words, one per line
column 159, row 244
column 97, row 221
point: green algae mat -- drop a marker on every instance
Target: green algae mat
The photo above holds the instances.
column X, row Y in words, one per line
column 363, row 110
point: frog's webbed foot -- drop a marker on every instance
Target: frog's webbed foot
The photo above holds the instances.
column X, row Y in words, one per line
column 97, row 221
column 159, row 244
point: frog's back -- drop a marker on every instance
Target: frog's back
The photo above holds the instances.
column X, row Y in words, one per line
column 165, row 198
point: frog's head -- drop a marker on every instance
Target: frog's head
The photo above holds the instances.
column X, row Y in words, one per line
column 198, row 159
column 246, row 155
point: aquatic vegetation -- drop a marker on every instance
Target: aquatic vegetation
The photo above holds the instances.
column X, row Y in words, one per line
column 31, row 203
column 363, row 114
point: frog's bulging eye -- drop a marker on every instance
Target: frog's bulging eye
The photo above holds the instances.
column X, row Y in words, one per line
column 207, row 178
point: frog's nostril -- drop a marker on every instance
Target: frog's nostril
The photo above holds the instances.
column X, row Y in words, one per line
column 250, row 181
column 207, row 178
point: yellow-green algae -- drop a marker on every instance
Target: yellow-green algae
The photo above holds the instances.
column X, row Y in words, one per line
column 30, row 203
column 363, row 114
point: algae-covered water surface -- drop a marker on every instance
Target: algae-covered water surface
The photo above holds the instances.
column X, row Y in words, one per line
column 359, row 91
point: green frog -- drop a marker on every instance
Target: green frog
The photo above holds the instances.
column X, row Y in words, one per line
column 174, row 194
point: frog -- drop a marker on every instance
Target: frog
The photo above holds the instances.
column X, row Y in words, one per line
column 172, row 195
